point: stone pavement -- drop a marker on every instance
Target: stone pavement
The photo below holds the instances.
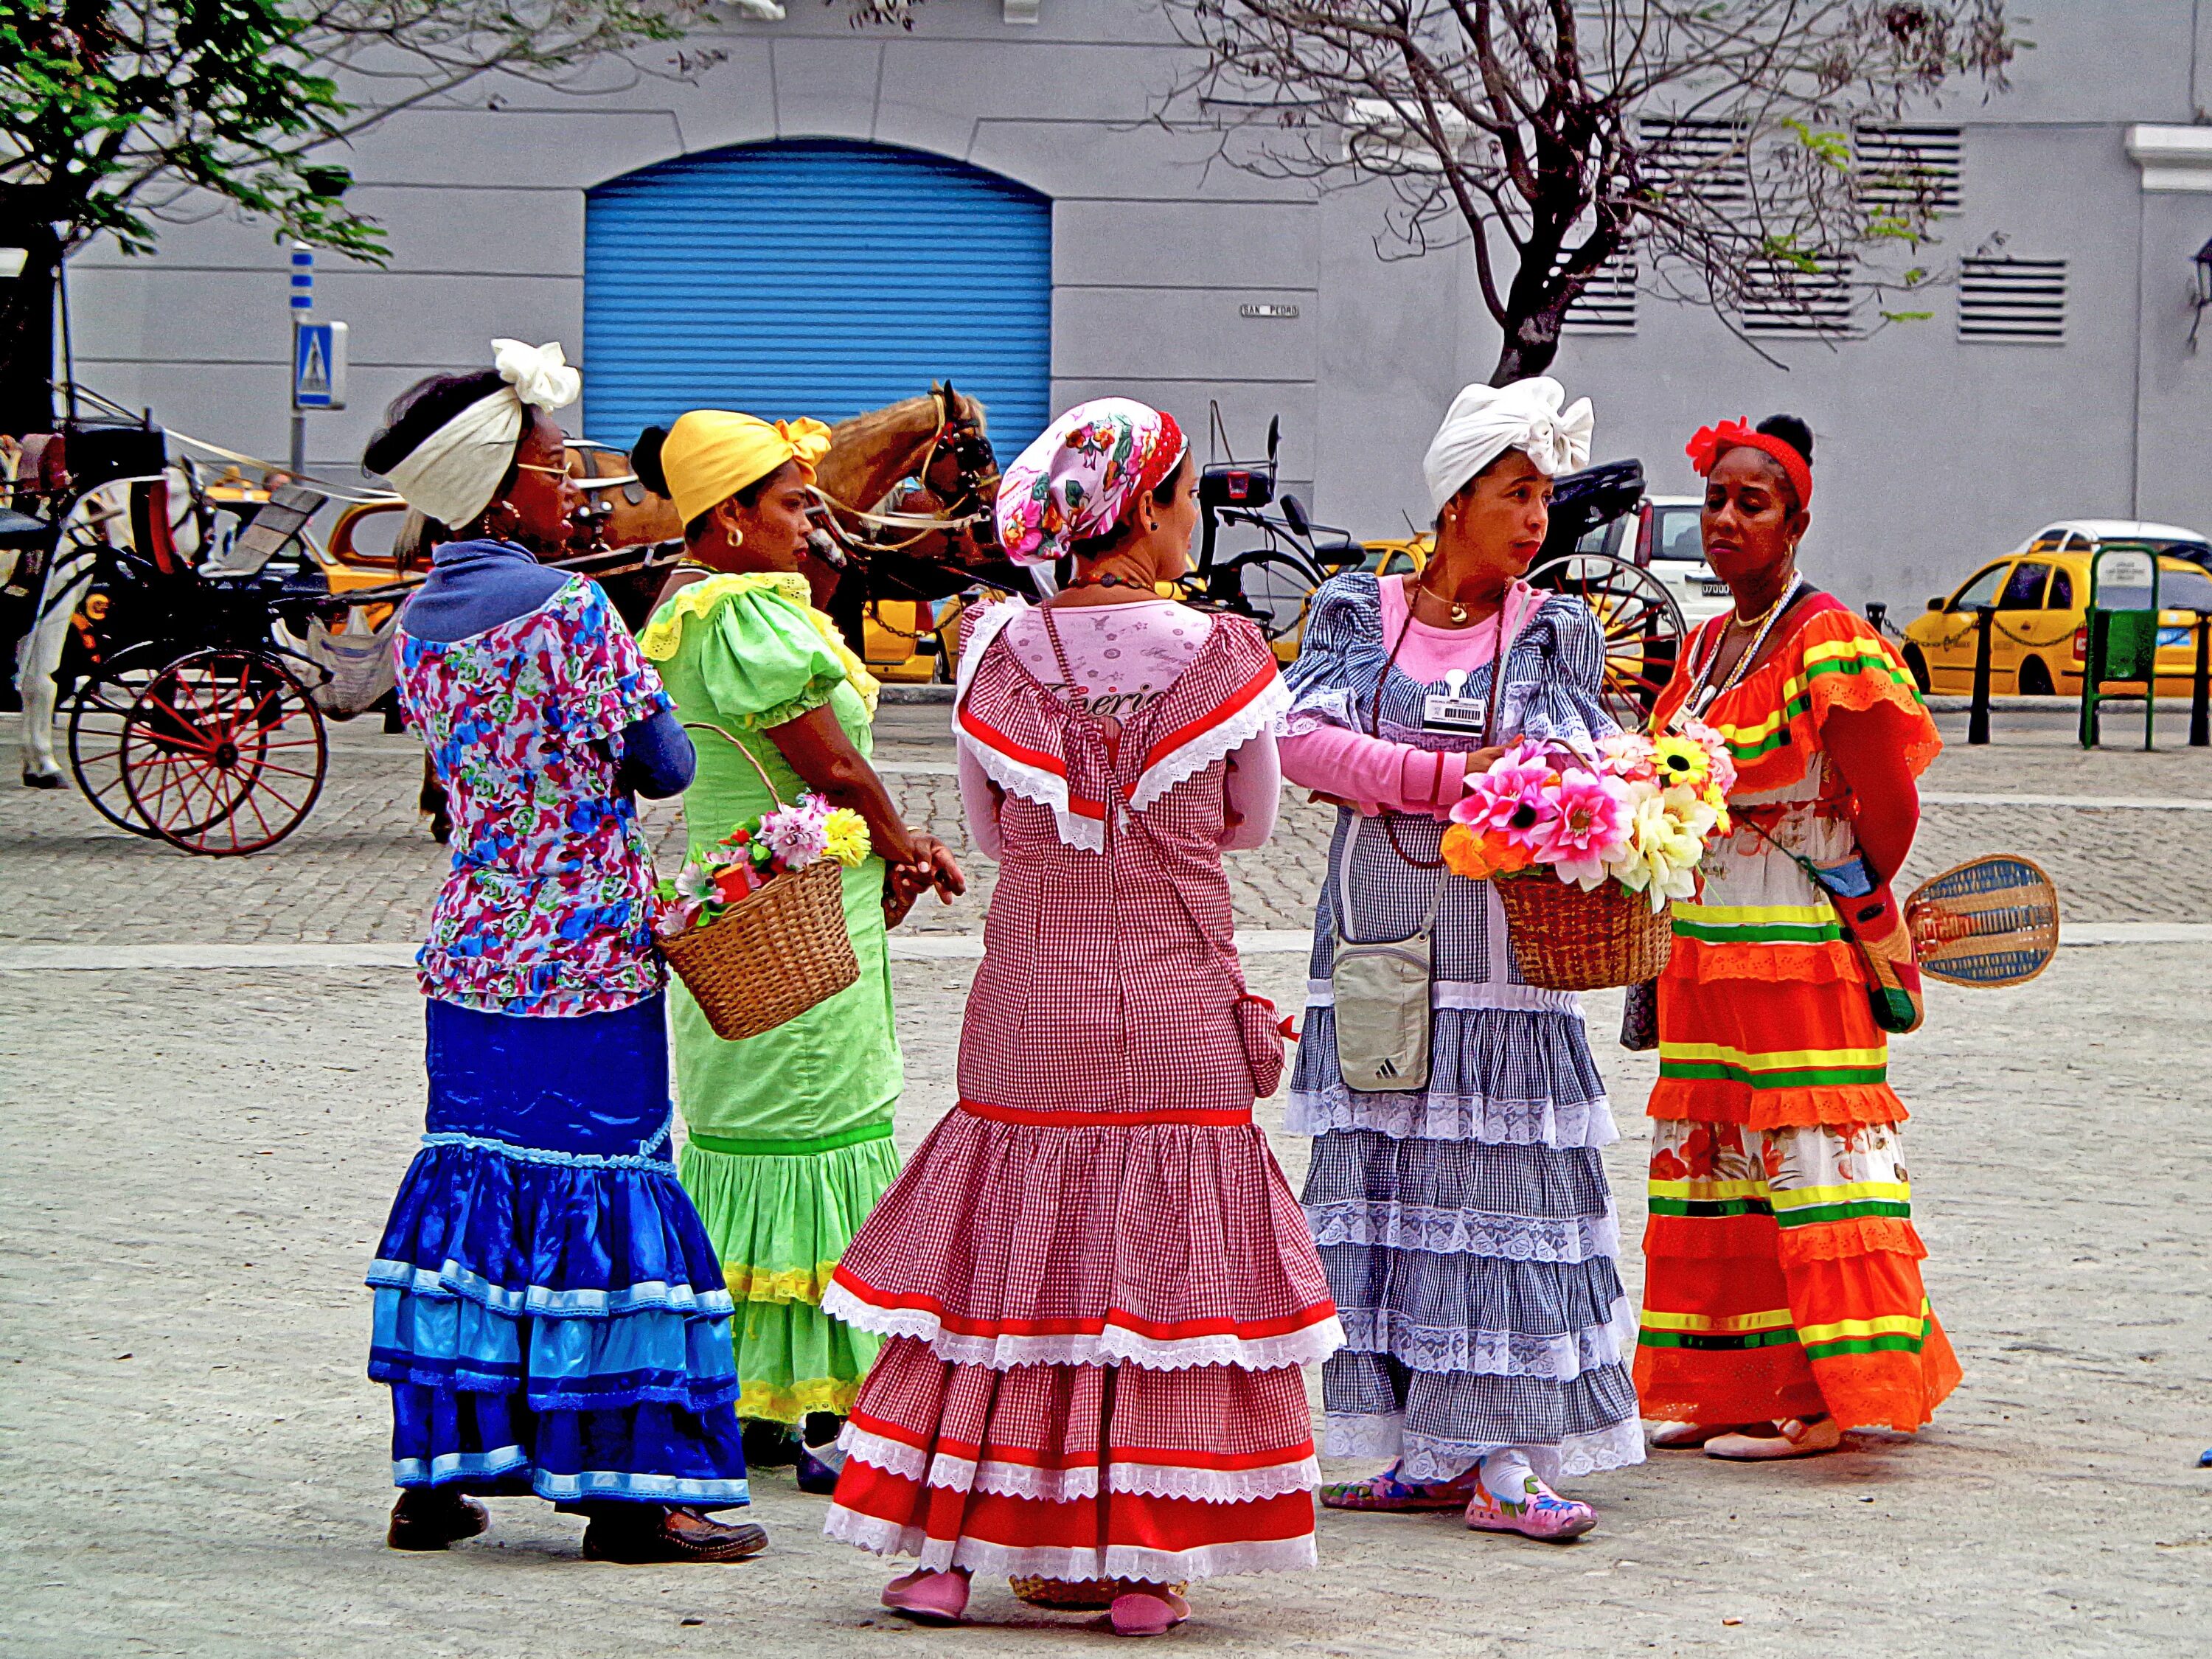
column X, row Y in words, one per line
column 362, row 869
column 193, row 1165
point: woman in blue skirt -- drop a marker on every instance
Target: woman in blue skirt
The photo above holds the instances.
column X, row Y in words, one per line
column 550, row 1314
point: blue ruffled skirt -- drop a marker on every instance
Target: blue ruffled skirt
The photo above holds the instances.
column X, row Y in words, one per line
column 551, row 1314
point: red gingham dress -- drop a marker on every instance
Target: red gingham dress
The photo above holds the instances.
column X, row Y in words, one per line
column 1097, row 1285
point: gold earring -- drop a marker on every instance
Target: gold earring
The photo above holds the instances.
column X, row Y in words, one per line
column 736, row 538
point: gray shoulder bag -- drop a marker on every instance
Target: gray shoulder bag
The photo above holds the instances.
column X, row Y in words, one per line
column 1381, row 987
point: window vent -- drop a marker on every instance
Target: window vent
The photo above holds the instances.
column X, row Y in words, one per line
column 1708, row 157
column 1781, row 298
column 1905, row 167
column 2023, row 300
column 1608, row 306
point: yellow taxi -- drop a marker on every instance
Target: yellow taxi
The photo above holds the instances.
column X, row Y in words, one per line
column 2040, row 593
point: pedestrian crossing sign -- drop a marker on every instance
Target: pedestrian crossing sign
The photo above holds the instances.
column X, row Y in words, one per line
column 318, row 365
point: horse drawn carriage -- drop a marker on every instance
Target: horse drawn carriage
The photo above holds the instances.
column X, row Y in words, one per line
column 191, row 641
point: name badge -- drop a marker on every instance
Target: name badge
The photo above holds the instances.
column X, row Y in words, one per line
column 1441, row 712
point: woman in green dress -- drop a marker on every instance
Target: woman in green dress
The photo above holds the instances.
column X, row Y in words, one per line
column 789, row 1133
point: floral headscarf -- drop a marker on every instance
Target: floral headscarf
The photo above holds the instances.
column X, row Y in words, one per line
column 1082, row 473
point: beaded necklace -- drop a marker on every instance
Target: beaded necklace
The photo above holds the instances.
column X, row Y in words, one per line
column 1702, row 695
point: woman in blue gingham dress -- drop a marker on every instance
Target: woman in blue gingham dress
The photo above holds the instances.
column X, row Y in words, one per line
column 1467, row 1227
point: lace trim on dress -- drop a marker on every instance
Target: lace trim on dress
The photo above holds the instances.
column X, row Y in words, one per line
column 1114, row 1344
column 1210, row 745
column 1435, row 1116
column 1035, row 783
column 1115, row 1561
column 1465, row 1232
column 1008, row 1480
column 1437, row 1348
column 1425, row 1458
column 1470, row 996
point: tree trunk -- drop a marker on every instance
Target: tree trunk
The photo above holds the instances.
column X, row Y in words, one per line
column 1531, row 344
column 27, row 326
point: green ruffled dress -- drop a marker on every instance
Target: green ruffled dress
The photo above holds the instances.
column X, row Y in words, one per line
column 790, row 1131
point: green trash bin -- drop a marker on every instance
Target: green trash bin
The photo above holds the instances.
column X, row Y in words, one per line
column 2122, row 628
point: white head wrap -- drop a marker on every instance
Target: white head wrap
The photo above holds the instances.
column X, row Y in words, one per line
column 452, row 475
column 1484, row 422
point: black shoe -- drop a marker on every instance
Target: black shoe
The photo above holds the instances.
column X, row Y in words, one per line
column 659, row 1536
column 768, row 1445
column 431, row 1517
column 816, row 1475
column 42, row 780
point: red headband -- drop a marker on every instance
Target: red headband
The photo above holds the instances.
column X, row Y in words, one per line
column 1705, row 449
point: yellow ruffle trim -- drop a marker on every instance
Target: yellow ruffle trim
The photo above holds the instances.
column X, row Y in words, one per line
column 666, row 631
column 816, row 1394
column 789, row 1285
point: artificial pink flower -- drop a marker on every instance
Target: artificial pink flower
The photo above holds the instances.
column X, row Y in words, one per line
column 1509, row 795
column 1588, row 821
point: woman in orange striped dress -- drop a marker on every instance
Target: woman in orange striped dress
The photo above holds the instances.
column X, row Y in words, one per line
column 1783, row 1295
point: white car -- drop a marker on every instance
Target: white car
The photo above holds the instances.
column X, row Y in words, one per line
column 2086, row 535
column 1662, row 536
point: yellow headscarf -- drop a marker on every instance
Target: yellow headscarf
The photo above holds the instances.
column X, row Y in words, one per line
column 711, row 454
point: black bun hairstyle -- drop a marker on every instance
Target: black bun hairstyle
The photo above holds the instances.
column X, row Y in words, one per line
column 645, row 459
column 1791, row 431
column 421, row 410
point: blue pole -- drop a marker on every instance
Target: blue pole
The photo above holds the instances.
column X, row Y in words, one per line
column 303, row 305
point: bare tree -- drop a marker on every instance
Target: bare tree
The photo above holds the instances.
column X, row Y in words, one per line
column 1733, row 153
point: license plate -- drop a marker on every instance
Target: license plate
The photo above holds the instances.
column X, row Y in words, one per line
column 1715, row 590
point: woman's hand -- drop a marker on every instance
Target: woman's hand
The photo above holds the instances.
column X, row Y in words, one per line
column 898, row 901
column 932, row 866
column 1482, row 760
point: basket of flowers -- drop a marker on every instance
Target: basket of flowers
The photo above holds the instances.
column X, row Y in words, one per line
column 756, row 932
column 1588, row 853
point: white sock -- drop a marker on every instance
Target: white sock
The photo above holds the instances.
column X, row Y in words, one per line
column 1506, row 1472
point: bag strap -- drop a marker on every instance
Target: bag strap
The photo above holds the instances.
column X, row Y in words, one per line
column 1232, row 970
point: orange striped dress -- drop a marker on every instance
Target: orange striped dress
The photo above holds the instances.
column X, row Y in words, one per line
column 1782, row 1268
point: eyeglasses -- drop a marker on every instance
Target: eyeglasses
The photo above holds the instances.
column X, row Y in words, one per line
column 531, row 466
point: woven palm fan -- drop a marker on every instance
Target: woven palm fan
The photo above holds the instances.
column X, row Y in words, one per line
column 1989, row 921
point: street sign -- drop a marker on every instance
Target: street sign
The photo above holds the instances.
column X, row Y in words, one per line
column 318, row 365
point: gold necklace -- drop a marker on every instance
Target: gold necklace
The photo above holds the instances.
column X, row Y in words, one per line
column 1459, row 611
column 1767, row 615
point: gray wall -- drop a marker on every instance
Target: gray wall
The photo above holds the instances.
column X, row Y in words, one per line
column 1933, row 452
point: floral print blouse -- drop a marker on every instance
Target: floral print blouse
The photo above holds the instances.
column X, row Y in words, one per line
column 547, row 910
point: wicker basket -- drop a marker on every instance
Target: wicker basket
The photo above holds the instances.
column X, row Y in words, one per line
column 776, row 952
column 1566, row 939
column 1079, row 1595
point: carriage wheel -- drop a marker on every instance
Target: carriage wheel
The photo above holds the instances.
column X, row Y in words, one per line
column 97, row 709
column 223, row 753
column 1644, row 629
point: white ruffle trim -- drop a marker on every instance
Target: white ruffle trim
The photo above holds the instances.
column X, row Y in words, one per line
column 1425, row 1458
column 1115, row 1344
column 1433, row 1115
column 1193, row 757
column 1472, row 996
column 1046, row 788
column 1115, row 1561
column 1466, row 1232
column 1437, row 1348
column 1005, row 1479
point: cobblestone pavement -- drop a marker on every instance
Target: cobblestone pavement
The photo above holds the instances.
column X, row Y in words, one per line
column 361, row 869
column 193, row 1166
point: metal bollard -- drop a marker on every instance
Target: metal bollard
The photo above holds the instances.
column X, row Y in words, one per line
column 1977, row 720
column 2200, row 691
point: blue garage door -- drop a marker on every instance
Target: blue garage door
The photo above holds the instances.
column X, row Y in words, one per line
column 815, row 277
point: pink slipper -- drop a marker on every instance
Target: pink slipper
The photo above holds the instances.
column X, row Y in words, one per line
column 1796, row 1439
column 1386, row 1491
column 1539, row 1513
column 928, row 1597
column 1147, row 1612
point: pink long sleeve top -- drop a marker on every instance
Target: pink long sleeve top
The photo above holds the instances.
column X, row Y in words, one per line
column 1376, row 774
column 1123, row 657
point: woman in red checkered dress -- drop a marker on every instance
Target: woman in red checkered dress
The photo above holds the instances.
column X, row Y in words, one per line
column 1097, row 1285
